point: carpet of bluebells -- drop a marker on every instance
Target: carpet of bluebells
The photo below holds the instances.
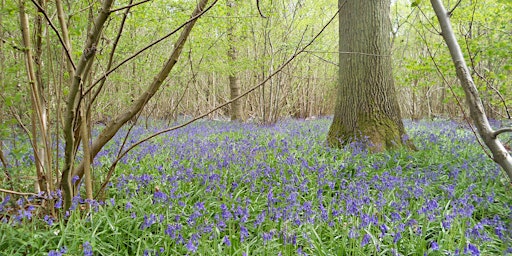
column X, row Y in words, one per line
column 217, row 188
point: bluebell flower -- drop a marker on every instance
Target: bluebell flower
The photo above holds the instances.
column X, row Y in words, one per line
column 48, row 219
column 87, row 249
column 244, row 233
column 75, row 179
column 148, row 221
column 54, row 253
column 397, row 237
column 4, row 202
column 226, row 213
column 192, row 243
column 383, row 230
column 472, row 249
column 226, row 241
column 366, row 240
column 434, row 246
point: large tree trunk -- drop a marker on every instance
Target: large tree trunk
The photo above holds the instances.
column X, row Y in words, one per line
column 366, row 105
column 236, row 111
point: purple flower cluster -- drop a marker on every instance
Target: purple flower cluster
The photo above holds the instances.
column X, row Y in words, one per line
column 232, row 186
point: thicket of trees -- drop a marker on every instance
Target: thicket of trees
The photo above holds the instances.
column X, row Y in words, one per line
column 66, row 66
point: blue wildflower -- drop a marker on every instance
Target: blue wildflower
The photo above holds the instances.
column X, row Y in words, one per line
column 366, row 240
column 226, row 241
column 87, row 248
column 472, row 249
column 434, row 246
column 243, row 233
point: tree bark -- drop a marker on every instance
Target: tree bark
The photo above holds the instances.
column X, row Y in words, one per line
column 476, row 108
column 38, row 115
column 113, row 126
column 236, row 111
column 70, row 123
column 366, row 108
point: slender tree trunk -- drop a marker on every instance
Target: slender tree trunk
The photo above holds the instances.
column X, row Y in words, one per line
column 70, row 123
column 114, row 125
column 3, row 160
column 367, row 106
column 65, row 34
column 476, row 108
column 236, row 111
column 38, row 109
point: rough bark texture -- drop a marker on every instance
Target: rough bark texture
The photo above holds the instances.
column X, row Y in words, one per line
column 476, row 107
column 366, row 105
column 236, row 111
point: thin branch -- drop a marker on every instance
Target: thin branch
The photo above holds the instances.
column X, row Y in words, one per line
column 20, row 193
column 15, row 47
column 453, row 9
column 129, row 6
column 500, row 131
column 104, row 76
column 68, row 54
column 322, row 59
column 429, row 22
column 262, row 83
column 259, row 9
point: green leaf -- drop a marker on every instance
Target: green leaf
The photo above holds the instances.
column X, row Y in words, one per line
column 415, row 3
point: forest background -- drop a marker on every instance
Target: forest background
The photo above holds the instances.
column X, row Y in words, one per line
column 425, row 80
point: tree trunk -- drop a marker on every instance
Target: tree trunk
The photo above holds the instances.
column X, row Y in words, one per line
column 70, row 123
column 476, row 108
column 128, row 113
column 38, row 116
column 366, row 106
column 236, row 111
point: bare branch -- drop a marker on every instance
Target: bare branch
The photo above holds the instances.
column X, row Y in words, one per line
column 500, row 131
column 68, row 54
column 129, row 6
column 20, row 193
column 259, row 9
column 454, row 7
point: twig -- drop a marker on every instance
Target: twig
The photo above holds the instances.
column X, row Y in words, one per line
column 259, row 9
column 20, row 193
column 500, row 131
column 129, row 6
column 68, row 54
column 454, row 7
